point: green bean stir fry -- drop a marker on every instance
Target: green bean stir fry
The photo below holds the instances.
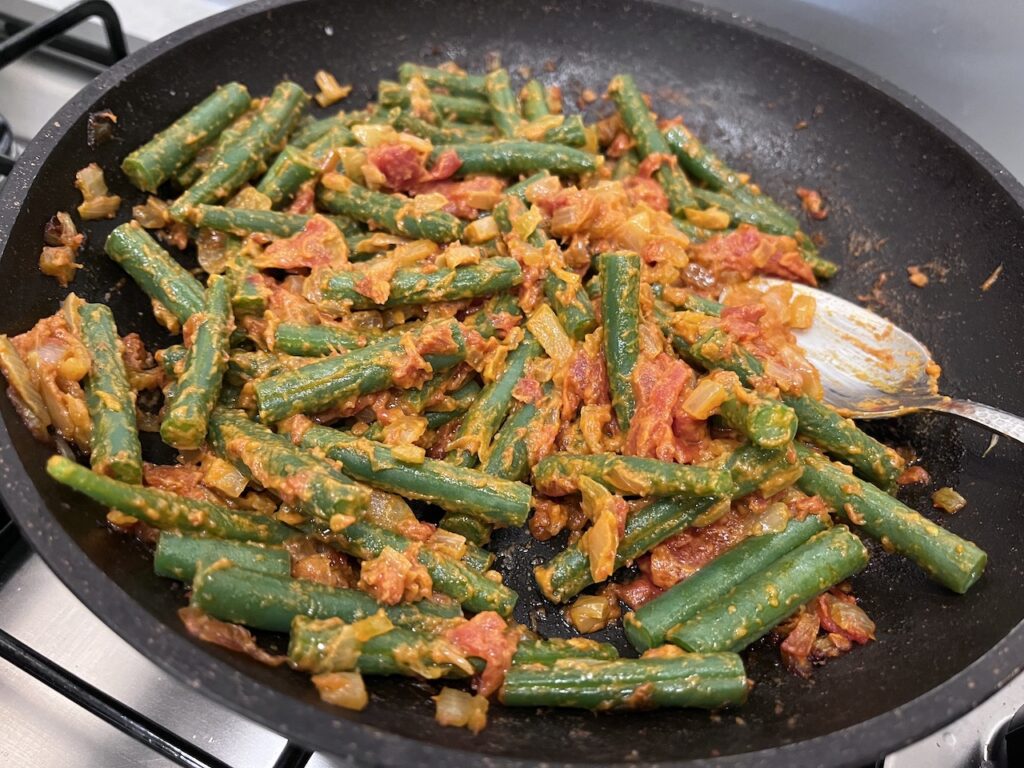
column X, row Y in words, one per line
column 463, row 297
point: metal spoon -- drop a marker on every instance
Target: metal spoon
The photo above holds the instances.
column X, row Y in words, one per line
column 871, row 369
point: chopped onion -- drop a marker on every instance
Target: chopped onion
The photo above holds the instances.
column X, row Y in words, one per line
column 705, row 398
column 591, row 613
column 948, row 500
column 461, row 709
column 374, row 134
column 153, row 215
column 223, row 476
column 481, row 230
column 97, row 203
column 801, row 311
column 59, row 262
column 711, row 218
column 544, row 325
column 343, row 689
column 330, row 89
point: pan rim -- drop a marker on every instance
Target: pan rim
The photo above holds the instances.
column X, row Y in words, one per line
column 187, row 661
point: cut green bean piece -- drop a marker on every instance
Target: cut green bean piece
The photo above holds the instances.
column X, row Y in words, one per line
column 513, row 157
column 455, row 83
column 757, row 604
column 457, row 489
column 509, row 456
column 421, row 285
column 636, row 117
column 336, row 380
column 504, row 106
column 178, row 556
column 318, row 340
column 168, row 511
column 841, row 438
column 647, row 626
column 156, row 273
column 620, row 312
column 246, row 221
column 241, row 160
column 157, row 160
column 706, row 681
column 476, row 531
column 320, row 646
column 114, row 442
column 534, row 100
column 548, row 651
column 404, row 121
column 491, row 407
column 188, row 408
column 559, row 474
column 297, row 477
column 264, row 601
column 289, row 171
column 389, row 213
column 764, row 420
column 947, row 558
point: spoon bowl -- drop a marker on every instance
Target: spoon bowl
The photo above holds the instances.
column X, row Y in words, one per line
column 871, row 368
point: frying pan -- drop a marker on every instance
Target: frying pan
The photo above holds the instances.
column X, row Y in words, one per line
column 904, row 188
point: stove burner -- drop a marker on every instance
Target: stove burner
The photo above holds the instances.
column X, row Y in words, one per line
column 6, row 146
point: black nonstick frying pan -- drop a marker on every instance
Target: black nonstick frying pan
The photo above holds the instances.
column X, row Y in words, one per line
column 904, row 188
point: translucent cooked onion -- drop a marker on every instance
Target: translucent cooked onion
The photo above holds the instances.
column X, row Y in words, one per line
column 948, row 500
column 154, row 214
column 97, row 203
column 331, row 90
column 342, row 689
column 481, row 230
column 705, row 398
column 550, row 334
column 461, row 710
column 592, row 613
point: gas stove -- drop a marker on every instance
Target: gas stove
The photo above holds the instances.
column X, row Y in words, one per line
column 73, row 693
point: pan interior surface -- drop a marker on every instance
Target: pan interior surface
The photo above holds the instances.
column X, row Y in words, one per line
column 901, row 193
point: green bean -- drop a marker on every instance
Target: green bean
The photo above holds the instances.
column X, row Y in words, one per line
column 114, row 442
column 187, row 412
column 534, row 100
column 318, row 340
column 483, row 321
column 305, row 134
column 156, row 161
column 156, row 273
column 504, row 105
column 297, row 477
column 489, row 410
column 290, row 170
column 947, row 558
column 548, row 651
column 620, row 312
column 389, row 213
column 336, row 380
column 189, row 173
column 240, row 161
column 249, row 291
column 509, row 456
column 194, row 395
column 265, row 601
column 421, row 285
column 559, row 474
column 409, row 123
column 757, row 604
column 841, row 438
column 475, row 531
column 646, row 627
column 246, row 221
column 330, row 645
column 168, row 511
column 571, row 132
column 337, row 137
column 457, row 489
column 706, row 681
column 178, row 556
column 636, row 118
column 764, row 420
column 455, row 83
column 514, row 157
column 467, row 109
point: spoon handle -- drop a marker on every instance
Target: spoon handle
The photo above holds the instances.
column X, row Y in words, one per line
column 993, row 418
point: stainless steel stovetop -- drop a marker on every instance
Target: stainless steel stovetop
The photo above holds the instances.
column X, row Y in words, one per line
column 962, row 59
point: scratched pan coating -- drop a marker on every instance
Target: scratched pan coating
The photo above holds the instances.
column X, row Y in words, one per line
column 904, row 188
